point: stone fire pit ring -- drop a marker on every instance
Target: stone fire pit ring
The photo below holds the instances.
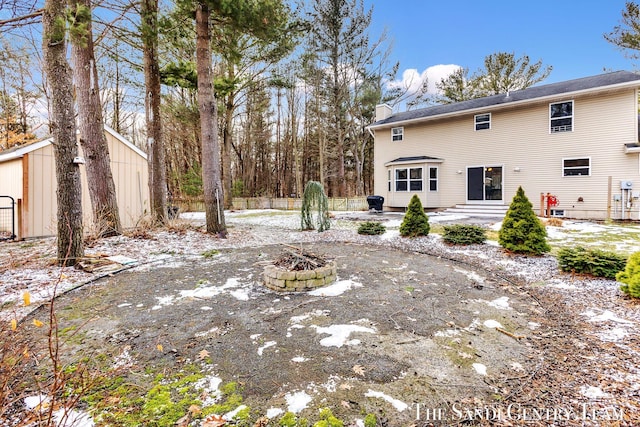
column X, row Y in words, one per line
column 283, row 280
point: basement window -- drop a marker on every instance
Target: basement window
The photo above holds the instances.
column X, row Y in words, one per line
column 576, row 167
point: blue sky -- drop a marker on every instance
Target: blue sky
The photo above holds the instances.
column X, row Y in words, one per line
column 566, row 34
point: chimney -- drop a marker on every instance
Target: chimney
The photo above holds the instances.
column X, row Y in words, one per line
column 382, row 112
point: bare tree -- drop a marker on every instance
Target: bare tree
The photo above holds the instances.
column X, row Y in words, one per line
column 63, row 126
column 211, row 167
column 102, row 189
column 155, row 149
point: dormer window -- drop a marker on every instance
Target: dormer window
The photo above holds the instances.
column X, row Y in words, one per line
column 561, row 117
column 482, row 121
column 397, row 134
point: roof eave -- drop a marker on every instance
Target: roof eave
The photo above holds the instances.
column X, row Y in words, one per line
column 413, row 162
column 506, row 105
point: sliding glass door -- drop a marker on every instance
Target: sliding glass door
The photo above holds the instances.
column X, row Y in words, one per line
column 484, row 183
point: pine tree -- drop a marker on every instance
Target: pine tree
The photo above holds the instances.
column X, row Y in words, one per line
column 415, row 222
column 522, row 231
column 631, row 276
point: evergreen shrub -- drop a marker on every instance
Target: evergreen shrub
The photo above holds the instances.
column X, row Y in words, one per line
column 522, row 231
column 415, row 222
column 371, row 228
column 464, row 234
column 591, row 261
column 631, row 276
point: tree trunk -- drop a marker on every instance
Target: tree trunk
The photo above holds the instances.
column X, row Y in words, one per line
column 155, row 149
column 227, row 143
column 211, row 173
column 93, row 141
column 63, row 126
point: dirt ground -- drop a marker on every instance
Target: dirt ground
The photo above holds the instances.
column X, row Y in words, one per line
column 399, row 332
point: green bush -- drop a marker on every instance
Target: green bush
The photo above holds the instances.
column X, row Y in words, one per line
column 522, row 231
column 371, row 228
column 464, row 234
column 631, row 276
column 415, row 222
column 591, row 261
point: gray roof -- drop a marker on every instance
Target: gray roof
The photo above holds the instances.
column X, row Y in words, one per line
column 586, row 83
column 413, row 159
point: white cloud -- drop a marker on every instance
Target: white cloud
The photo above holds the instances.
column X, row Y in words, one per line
column 412, row 80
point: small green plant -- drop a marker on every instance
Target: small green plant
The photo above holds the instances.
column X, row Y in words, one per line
column 210, row 253
column 591, row 261
column 291, row 420
column 371, row 228
column 522, row 231
column 464, row 234
column 415, row 222
column 370, row 420
column 631, row 276
column 327, row 419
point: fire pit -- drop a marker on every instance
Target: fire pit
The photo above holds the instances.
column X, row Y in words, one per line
column 297, row 271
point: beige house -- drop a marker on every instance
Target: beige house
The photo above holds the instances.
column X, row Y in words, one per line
column 27, row 174
column 577, row 140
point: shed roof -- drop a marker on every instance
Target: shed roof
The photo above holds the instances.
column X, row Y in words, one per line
column 17, row 152
column 608, row 81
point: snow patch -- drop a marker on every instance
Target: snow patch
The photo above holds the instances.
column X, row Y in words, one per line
column 266, row 346
column 592, row 392
column 471, row 275
column 480, row 368
column 398, row 404
column 501, row 303
column 299, row 359
column 297, row 401
column 231, row 415
column 339, row 334
column 604, row 317
column 274, row 412
column 338, row 288
column 492, row 324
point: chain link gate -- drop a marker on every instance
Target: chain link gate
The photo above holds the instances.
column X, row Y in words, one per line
column 7, row 218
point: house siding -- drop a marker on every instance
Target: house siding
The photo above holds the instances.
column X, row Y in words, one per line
column 519, row 137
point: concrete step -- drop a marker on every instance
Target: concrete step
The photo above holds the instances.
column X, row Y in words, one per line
column 489, row 211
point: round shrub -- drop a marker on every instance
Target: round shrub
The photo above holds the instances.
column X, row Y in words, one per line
column 522, row 231
column 415, row 222
column 631, row 276
column 371, row 228
column 464, row 234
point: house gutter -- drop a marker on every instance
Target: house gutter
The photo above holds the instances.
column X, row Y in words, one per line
column 503, row 106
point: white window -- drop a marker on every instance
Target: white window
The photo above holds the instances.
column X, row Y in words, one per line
column 389, row 180
column 433, row 179
column 576, row 167
column 397, row 134
column 482, row 121
column 409, row 179
column 561, row 117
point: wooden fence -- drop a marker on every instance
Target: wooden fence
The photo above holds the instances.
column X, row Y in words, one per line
column 241, row 203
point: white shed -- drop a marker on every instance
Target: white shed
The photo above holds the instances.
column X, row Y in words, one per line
column 27, row 174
